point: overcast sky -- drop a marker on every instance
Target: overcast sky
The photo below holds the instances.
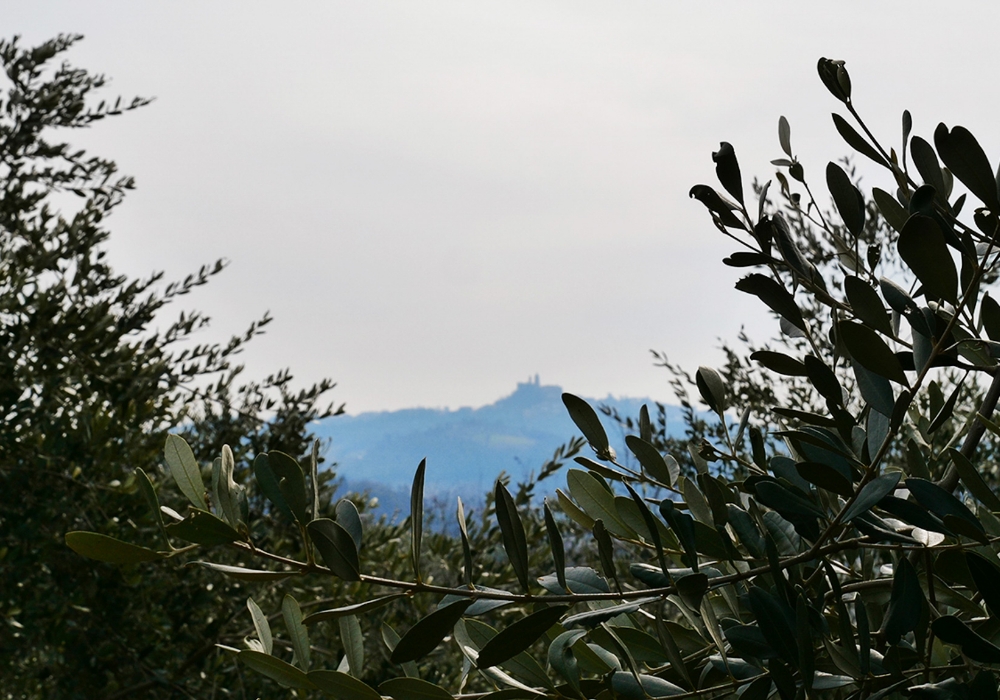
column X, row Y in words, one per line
column 436, row 200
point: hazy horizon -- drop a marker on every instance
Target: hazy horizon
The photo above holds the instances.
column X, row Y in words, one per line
column 671, row 400
column 436, row 199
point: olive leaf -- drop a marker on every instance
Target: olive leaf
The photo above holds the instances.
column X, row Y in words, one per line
column 590, row 425
column 108, row 549
column 421, row 639
column 520, row 635
column 512, row 533
column 922, row 247
column 185, row 470
column 417, row 516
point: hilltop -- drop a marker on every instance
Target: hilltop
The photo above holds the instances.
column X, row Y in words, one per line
column 466, row 448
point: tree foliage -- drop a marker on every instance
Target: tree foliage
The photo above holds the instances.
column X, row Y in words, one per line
column 834, row 535
column 89, row 389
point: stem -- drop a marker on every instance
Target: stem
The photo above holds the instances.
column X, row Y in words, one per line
column 420, row 587
column 972, row 439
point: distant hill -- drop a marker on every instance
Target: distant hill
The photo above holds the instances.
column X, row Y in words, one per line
column 467, row 448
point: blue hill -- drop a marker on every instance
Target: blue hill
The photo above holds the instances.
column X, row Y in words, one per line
column 466, row 449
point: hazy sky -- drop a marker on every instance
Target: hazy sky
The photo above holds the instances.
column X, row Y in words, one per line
column 436, row 200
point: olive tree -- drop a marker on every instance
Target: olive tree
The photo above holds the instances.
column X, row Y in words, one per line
column 89, row 389
column 836, row 536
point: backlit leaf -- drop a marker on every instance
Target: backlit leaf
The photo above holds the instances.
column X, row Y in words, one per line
column 892, row 211
column 780, row 363
column 574, row 511
column 417, row 516
column 826, row 477
column 867, row 305
column 974, row 481
column 966, row 159
column 946, row 411
column 652, row 526
column 746, row 530
column 922, row 247
column 717, row 205
column 849, row 201
column 872, row 492
column 804, row 637
column 712, row 389
column 652, row 461
column 149, row 493
column 775, row 296
column 927, row 164
column 336, row 548
column 590, row 425
column 592, row 618
column 201, row 527
column 905, row 602
column 824, row 379
column 226, row 489
column 291, row 483
column 353, row 643
column 185, row 470
column 785, row 136
column 875, row 389
column 353, row 609
column 463, row 532
column 645, row 427
column 605, row 550
column 277, row 670
column 261, row 624
column 941, row 502
column 555, row 545
column 989, row 315
column 683, row 526
column 871, row 352
column 596, row 501
column 292, row 614
column 108, row 549
column 777, row 497
column 347, row 517
column 269, row 485
column 727, row 169
column 342, row 686
column 856, row 141
column 243, row 574
column 696, row 502
column 512, row 533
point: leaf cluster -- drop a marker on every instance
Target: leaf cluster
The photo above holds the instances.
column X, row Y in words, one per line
column 95, row 369
column 833, row 534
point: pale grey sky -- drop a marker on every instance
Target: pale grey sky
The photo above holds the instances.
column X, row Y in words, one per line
column 436, row 200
